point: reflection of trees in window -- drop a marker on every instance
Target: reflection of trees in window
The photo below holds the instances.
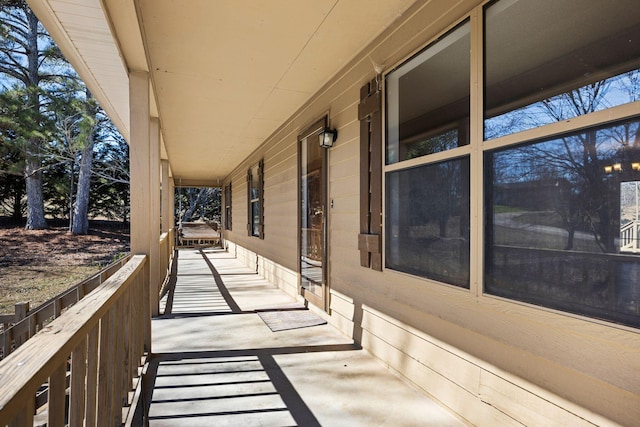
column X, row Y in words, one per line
column 579, row 159
column 554, row 235
column 435, row 144
column 568, row 175
column 578, row 102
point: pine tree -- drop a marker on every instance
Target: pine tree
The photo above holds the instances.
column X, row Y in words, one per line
column 31, row 62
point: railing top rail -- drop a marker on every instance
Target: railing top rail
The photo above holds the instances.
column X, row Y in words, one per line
column 24, row 370
column 628, row 225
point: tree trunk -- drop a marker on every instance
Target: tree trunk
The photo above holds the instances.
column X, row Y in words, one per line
column 570, row 238
column 71, row 185
column 35, row 202
column 194, row 203
column 17, row 203
column 83, row 187
column 81, row 209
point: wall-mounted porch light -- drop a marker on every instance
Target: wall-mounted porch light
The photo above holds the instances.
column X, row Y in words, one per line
column 327, row 137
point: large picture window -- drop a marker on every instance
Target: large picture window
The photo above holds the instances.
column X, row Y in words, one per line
column 535, row 176
column 556, row 225
column 427, row 199
column 561, row 227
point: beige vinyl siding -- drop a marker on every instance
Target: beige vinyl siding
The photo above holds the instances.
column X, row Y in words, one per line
column 491, row 360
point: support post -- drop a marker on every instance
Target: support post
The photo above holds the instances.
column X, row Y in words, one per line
column 140, row 182
column 155, row 278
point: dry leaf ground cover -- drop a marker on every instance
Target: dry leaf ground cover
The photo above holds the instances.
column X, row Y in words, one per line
column 37, row 265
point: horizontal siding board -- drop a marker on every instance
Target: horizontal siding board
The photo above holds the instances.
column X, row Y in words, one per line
column 341, row 323
column 531, row 409
column 342, row 305
column 344, row 205
column 344, row 171
column 453, row 367
column 435, row 385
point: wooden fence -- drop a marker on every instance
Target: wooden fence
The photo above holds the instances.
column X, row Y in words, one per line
column 96, row 350
column 27, row 322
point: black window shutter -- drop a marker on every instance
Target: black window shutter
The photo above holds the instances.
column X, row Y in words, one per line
column 370, row 116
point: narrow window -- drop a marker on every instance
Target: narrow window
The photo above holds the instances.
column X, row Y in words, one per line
column 227, row 207
column 255, row 185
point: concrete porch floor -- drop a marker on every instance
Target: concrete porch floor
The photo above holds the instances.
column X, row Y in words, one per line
column 216, row 363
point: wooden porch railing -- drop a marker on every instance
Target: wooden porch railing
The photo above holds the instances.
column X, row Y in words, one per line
column 630, row 237
column 27, row 322
column 101, row 341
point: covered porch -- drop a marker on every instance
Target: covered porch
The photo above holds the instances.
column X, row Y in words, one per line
column 216, row 362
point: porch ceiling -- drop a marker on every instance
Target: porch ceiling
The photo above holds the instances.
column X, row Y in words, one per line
column 225, row 74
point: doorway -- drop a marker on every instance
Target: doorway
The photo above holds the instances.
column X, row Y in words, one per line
column 312, row 178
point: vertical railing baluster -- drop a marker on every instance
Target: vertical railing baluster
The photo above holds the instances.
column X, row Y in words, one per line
column 57, row 396
column 127, row 372
column 105, row 371
column 92, row 376
column 146, row 304
column 118, row 360
column 78, row 387
column 25, row 417
column 8, row 335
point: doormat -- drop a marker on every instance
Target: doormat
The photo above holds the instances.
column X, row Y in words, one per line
column 282, row 319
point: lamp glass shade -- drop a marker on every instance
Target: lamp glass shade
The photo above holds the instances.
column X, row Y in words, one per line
column 327, row 137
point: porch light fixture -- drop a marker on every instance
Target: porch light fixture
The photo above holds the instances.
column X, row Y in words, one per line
column 327, row 137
